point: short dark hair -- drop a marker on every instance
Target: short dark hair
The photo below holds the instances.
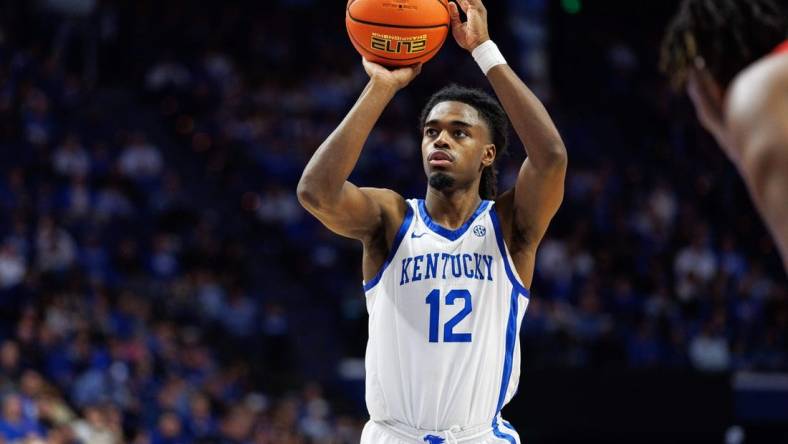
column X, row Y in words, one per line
column 728, row 34
column 493, row 115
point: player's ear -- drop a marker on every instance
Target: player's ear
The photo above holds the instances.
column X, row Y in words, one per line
column 488, row 154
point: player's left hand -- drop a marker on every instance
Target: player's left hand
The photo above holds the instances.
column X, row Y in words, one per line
column 396, row 78
column 473, row 32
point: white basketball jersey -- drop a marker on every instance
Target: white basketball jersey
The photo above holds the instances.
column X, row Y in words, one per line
column 444, row 315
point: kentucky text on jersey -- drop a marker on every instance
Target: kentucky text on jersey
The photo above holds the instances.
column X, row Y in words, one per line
column 446, row 266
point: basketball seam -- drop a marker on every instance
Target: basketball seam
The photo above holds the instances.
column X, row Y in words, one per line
column 442, row 4
column 392, row 58
column 347, row 10
column 364, row 22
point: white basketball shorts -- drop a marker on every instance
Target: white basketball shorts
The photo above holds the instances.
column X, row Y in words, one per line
column 395, row 433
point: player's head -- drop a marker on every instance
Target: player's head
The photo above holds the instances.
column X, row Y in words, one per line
column 725, row 36
column 470, row 129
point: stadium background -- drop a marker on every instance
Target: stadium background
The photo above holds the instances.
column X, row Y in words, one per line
column 159, row 282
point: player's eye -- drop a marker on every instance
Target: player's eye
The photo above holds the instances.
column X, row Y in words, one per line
column 430, row 132
column 460, row 134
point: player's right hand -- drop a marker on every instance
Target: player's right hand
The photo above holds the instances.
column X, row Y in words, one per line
column 394, row 78
column 474, row 31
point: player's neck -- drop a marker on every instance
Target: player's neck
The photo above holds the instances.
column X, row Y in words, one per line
column 451, row 209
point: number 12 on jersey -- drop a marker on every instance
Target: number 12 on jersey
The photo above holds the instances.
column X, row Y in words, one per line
column 434, row 301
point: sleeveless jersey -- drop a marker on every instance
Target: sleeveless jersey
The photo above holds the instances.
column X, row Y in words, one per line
column 444, row 310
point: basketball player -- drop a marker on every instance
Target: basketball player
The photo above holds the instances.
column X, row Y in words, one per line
column 732, row 57
column 447, row 276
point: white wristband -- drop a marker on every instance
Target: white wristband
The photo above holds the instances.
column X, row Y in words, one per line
column 488, row 55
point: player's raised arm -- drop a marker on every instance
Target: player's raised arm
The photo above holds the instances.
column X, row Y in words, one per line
column 540, row 183
column 324, row 190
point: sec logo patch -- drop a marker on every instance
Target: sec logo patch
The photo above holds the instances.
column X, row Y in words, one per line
column 479, row 230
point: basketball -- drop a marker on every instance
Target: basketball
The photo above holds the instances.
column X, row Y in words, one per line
column 397, row 32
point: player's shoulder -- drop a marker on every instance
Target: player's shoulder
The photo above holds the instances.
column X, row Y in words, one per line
column 393, row 209
column 391, row 203
column 504, row 204
column 758, row 92
column 505, row 209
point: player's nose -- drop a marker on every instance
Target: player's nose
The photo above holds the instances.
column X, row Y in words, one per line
column 440, row 141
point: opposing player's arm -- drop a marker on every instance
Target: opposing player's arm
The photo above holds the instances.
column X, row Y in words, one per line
column 324, row 190
column 756, row 114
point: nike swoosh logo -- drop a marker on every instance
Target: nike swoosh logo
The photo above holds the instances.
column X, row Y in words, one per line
column 414, row 236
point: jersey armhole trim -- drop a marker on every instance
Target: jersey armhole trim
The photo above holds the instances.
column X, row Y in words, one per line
column 393, row 250
column 513, row 278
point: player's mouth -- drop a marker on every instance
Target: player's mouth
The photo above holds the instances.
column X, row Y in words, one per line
column 439, row 158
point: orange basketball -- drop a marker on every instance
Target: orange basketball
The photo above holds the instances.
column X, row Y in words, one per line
column 397, row 32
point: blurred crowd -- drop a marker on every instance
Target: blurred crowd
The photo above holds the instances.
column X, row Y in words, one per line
column 159, row 282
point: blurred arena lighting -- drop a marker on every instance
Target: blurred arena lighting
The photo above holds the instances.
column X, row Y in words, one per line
column 77, row 8
column 572, row 6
